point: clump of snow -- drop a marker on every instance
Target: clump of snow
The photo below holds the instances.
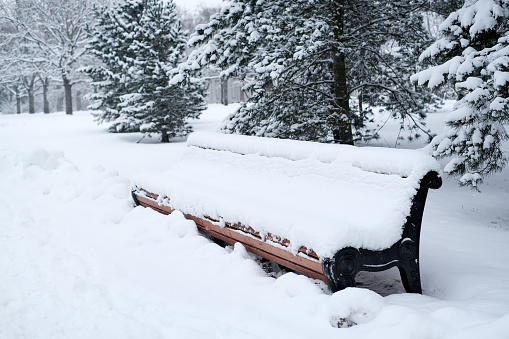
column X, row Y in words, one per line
column 354, row 306
column 43, row 159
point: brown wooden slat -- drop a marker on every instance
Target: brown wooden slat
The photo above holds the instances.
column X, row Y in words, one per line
column 249, row 230
column 247, row 236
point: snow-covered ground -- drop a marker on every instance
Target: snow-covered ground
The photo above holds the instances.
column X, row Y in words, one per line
column 77, row 260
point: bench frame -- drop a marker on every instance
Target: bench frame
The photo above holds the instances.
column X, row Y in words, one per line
column 339, row 271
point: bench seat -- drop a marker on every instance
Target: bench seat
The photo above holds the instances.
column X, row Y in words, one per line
column 307, row 200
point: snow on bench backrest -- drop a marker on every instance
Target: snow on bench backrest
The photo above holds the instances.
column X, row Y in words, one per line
column 373, row 159
column 320, row 196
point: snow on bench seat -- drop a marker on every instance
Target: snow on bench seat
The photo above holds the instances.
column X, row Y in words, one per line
column 320, row 196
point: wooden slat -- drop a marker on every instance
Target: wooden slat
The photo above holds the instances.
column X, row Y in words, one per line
column 251, row 240
column 246, row 229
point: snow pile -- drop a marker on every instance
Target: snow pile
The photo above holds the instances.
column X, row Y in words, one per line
column 312, row 194
column 49, row 289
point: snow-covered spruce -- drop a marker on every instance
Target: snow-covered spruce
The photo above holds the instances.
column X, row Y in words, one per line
column 473, row 54
column 139, row 42
column 302, row 60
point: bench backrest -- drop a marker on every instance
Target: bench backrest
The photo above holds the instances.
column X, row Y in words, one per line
column 321, row 196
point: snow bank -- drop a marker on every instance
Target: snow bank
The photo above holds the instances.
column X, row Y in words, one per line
column 312, row 194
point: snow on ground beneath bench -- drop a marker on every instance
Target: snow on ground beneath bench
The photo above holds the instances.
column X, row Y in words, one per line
column 309, row 193
column 78, row 260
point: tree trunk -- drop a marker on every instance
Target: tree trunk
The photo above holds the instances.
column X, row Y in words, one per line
column 165, row 137
column 31, row 100
column 29, row 84
column 60, row 103
column 18, row 100
column 68, row 94
column 78, row 100
column 224, row 91
column 45, row 88
column 343, row 133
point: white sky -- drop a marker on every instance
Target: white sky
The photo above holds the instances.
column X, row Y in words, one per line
column 192, row 4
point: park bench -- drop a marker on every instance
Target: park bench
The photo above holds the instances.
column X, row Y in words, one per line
column 324, row 210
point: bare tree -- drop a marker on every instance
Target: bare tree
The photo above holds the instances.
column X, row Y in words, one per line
column 55, row 28
column 11, row 70
column 12, row 89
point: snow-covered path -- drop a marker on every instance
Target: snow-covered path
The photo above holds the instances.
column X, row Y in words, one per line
column 77, row 260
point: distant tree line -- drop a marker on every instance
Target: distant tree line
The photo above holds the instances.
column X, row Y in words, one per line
column 43, row 44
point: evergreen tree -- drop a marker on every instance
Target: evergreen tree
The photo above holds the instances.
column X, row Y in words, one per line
column 302, row 60
column 473, row 54
column 112, row 37
column 139, row 42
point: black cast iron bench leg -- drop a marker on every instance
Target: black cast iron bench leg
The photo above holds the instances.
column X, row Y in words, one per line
column 340, row 271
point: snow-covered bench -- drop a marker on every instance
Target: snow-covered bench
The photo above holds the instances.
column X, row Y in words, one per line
column 327, row 211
